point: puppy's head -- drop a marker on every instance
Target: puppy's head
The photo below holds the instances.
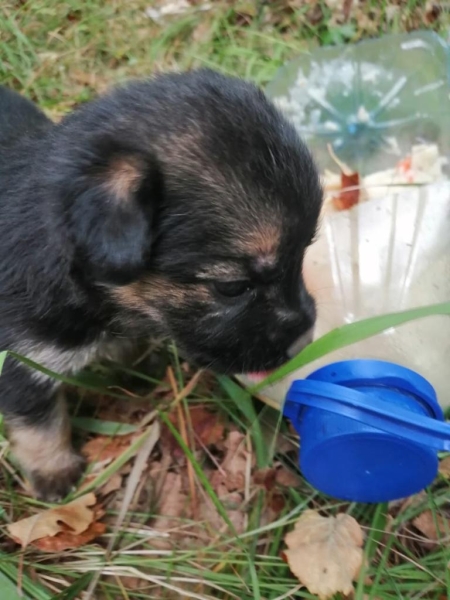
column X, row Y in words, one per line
column 192, row 201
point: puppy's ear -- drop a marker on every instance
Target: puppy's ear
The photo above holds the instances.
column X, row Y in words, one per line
column 111, row 214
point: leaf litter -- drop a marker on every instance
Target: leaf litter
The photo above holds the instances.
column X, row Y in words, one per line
column 67, row 526
column 325, row 553
column 104, row 449
column 434, row 527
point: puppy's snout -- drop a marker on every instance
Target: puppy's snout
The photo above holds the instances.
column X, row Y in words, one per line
column 300, row 343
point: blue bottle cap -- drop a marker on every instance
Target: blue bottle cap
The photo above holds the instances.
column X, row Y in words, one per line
column 370, row 430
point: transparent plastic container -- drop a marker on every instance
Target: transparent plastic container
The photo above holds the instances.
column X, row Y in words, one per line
column 391, row 251
column 371, row 100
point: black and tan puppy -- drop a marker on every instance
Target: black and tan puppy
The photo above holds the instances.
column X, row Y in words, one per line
column 180, row 206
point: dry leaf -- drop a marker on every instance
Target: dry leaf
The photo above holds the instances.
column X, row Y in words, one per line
column 236, row 515
column 412, row 502
column 232, row 472
column 67, row 540
column 206, row 428
column 129, row 411
column 433, row 527
column 277, row 503
column 113, row 484
column 104, row 448
column 76, row 515
column 265, row 477
column 173, row 505
column 235, row 461
column 325, row 553
column 173, row 501
column 444, row 467
column 287, row 478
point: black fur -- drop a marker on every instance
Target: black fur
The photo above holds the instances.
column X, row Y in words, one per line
column 156, row 182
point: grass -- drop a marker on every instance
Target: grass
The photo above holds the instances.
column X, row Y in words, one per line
column 62, row 54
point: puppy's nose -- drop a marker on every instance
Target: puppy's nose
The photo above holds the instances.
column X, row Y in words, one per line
column 305, row 339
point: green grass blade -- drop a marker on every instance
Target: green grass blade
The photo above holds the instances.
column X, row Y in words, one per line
column 9, row 574
column 3, row 356
column 9, row 590
column 350, row 334
column 243, row 402
column 199, row 472
column 214, row 499
column 74, row 591
column 103, row 427
column 113, row 467
column 375, row 535
column 80, row 383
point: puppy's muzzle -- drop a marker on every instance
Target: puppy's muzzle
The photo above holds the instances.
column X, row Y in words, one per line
column 300, row 343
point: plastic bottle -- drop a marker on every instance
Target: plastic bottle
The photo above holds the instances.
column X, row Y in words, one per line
column 379, row 103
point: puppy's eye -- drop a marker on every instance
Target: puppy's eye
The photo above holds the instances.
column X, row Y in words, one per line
column 232, row 289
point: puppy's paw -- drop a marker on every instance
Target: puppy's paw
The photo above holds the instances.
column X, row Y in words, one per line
column 44, row 451
column 55, row 484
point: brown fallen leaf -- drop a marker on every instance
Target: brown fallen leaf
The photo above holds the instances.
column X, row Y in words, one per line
column 76, row 515
column 265, row 477
column 415, row 501
column 67, row 540
column 444, row 467
column 113, row 484
column 433, row 527
column 277, row 503
column 172, row 505
column 215, row 522
column 325, row 553
column 234, row 466
column 287, row 478
column 105, row 448
column 206, row 428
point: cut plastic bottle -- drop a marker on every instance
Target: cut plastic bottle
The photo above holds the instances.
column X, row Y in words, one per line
column 379, row 106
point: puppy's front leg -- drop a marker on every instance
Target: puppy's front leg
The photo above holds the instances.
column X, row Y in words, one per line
column 39, row 431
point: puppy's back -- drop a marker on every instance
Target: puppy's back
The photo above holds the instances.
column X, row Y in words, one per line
column 18, row 116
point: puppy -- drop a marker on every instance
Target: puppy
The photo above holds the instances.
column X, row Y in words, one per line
column 180, row 206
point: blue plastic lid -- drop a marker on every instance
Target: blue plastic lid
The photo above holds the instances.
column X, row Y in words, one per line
column 370, row 430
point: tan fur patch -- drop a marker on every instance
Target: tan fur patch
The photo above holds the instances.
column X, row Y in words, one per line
column 150, row 294
column 186, row 152
column 124, row 177
column 261, row 242
column 222, row 270
column 64, row 361
column 45, row 448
